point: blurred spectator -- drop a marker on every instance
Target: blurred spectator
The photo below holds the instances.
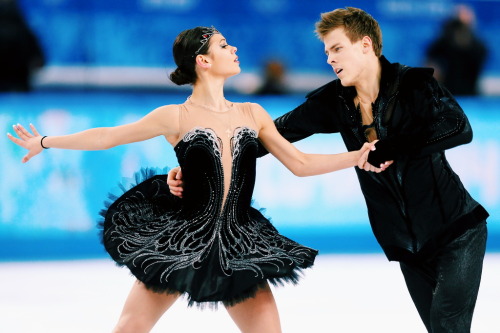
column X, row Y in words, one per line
column 274, row 79
column 458, row 55
column 20, row 53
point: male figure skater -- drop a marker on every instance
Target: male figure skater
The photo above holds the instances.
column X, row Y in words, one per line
column 420, row 213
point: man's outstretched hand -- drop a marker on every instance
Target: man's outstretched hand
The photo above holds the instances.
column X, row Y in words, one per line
column 174, row 181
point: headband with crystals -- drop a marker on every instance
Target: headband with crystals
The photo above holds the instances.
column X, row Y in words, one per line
column 207, row 33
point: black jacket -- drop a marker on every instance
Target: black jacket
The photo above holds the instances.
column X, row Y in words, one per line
column 419, row 203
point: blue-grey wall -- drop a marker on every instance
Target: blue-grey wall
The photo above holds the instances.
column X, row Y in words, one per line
column 49, row 206
column 141, row 32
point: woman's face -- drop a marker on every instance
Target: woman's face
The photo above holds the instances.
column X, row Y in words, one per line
column 222, row 56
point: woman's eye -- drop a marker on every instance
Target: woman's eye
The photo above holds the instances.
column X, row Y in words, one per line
column 224, row 46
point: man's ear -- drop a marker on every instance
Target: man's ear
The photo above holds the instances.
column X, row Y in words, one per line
column 202, row 61
column 367, row 44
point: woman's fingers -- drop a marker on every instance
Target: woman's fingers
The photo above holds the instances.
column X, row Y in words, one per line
column 385, row 165
column 29, row 155
column 371, row 168
column 26, row 158
column 17, row 130
column 27, row 140
column 22, row 132
column 16, row 140
column 34, row 130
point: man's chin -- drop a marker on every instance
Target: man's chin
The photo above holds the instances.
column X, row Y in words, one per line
column 345, row 83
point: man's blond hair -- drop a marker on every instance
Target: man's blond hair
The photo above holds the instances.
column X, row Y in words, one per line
column 356, row 24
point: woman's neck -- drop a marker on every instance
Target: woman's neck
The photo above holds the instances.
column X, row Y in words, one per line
column 210, row 95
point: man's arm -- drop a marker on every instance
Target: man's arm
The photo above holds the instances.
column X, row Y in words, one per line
column 315, row 115
column 438, row 122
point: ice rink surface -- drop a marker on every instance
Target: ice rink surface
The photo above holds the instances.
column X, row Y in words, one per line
column 342, row 293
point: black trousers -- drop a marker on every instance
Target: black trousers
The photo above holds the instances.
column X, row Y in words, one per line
column 445, row 287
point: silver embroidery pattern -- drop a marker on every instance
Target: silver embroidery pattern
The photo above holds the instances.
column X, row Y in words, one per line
column 151, row 239
column 238, row 136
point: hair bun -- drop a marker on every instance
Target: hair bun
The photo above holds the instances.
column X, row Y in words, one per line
column 179, row 77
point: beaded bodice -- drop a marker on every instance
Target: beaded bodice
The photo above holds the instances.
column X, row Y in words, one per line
column 212, row 144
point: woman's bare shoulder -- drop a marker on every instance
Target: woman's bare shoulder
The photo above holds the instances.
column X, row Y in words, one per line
column 168, row 108
column 166, row 112
column 254, row 107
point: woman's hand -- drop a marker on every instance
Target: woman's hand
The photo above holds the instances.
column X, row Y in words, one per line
column 367, row 147
column 27, row 140
column 363, row 161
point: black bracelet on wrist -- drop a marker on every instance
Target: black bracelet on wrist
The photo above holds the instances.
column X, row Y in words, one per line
column 41, row 143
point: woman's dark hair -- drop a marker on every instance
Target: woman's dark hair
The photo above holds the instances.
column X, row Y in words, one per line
column 187, row 46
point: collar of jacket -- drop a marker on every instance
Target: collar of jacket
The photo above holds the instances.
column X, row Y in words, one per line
column 388, row 82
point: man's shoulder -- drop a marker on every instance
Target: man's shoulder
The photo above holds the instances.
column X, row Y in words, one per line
column 418, row 72
column 407, row 77
column 405, row 72
column 327, row 90
column 416, row 77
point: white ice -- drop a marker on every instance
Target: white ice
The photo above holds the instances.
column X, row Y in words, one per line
column 342, row 293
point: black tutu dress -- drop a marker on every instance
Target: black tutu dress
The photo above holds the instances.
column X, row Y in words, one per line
column 210, row 246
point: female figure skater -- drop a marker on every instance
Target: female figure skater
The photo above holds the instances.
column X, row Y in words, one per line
column 211, row 246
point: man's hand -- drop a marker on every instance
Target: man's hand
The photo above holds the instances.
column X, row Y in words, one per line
column 174, row 181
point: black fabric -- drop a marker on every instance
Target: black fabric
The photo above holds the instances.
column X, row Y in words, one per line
column 419, row 198
column 208, row 250
column 444, row 287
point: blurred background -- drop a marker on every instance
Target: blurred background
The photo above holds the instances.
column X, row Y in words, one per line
column 68, row 65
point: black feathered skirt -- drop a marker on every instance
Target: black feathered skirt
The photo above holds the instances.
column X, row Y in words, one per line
column 210, row 258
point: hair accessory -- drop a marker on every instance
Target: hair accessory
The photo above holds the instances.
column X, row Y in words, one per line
column 207, row 33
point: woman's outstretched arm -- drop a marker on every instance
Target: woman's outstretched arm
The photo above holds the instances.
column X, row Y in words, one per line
column 299, row 163
column 161, row 121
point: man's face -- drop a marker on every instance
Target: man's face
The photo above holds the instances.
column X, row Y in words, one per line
column 347, row 59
